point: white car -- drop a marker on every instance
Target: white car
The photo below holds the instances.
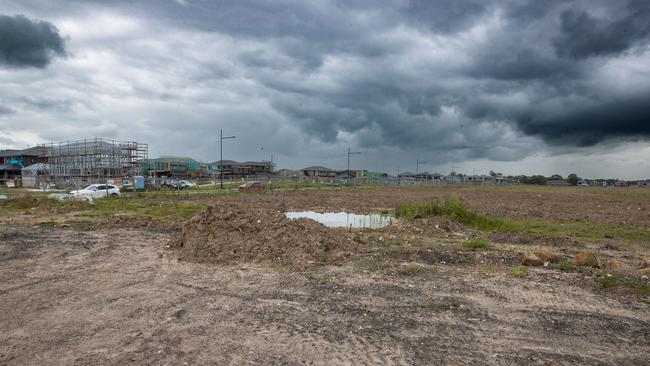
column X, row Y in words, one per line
column 97, row 191
column 187, row 183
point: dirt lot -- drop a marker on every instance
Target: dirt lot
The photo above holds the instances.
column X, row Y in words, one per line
column 410, row 294
column 570, row 203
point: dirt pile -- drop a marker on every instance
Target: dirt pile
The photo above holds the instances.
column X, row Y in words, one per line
column 229, row 234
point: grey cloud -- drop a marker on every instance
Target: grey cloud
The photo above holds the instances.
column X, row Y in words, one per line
column 28, row 43
column 446, row 16
column 589, row 125
column 5, row 110
column 47, row 104
column 454, row 80
column 585, row 35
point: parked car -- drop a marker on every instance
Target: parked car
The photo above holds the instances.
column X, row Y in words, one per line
column 251, row 185
column 176, row 184
column 97, row 191
column 187, row 183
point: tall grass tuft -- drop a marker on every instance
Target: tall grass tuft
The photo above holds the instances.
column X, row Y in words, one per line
column 454, row 209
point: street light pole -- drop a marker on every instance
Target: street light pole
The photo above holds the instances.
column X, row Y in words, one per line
column 221, row 138
column 350, row 153
column 417, row 167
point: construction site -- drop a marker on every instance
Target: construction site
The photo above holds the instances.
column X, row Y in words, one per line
column 73, row 164
column 323, row 274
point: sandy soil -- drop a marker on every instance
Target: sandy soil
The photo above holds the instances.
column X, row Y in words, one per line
column 117, row 297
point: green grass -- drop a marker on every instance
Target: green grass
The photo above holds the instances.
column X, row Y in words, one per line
column 606, row 282
column 477, row 244
column 611, row 282
column 151, row 206
column 519, row 271
column 453, row 209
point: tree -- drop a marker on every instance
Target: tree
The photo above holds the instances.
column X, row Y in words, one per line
column 573, row 179
column 556, row 177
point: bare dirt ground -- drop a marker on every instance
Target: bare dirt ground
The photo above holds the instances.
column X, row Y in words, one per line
column 411, row 294
column 594, row 204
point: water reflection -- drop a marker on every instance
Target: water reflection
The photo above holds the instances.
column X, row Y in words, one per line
column 344, row 219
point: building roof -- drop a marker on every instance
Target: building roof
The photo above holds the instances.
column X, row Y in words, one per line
column 31, row 151
column 226, row 162
column 317, row 167
column 175, row 158
column 37, row 166
column 9, row 167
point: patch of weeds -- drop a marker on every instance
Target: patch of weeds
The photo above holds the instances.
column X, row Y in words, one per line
column 412, row 269
column 477, row 244
column 566, row 265
column 608, row 281
column 611, row 282
column 489, row 268
column 454, row 209
column 448, row 304
column 310, row 276
column 519, row 271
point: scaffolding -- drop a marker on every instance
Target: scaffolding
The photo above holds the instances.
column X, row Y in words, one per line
column 73, row 163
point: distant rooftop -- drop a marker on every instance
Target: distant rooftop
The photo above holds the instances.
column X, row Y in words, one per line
column 317, row 167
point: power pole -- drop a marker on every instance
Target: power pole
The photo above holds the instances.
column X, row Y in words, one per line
column 221, row 138
column 350, row 153
column 398, row 175
column 417, row 167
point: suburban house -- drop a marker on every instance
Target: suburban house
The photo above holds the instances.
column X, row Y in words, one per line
column 557, row 182
column 453, row 179
column 13, row 161
column 318, row 172
column 175, row 166
column 234, row 169
column 35, row 175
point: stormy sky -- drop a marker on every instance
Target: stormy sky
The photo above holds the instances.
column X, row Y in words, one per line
column 513, row 86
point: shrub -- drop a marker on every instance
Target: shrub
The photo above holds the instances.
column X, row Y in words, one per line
column 454, row 209
column 477, row 244
column 519, row 271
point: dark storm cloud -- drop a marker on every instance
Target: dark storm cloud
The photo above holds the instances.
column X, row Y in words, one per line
column 28, row 43
column 456, row 79
column 585, row 35
column 626, row 118
column 445, row 16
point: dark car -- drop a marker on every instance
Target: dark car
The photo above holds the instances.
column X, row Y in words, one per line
column 252, row 185
column 175, row 184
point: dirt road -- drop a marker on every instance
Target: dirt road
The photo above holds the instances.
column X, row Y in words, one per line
column 118, row 297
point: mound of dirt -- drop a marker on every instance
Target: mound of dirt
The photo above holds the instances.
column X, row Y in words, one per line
column 230, row 234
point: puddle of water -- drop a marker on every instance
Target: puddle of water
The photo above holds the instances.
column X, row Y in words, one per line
column 344, row 219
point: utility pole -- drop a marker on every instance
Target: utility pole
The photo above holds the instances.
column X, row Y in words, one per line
column 221, row 138
column 398, row 175
column 417, row 167
column 350, row 153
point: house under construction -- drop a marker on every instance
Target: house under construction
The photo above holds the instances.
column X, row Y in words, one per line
column 81, row 162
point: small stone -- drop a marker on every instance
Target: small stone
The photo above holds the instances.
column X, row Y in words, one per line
column 528, row 259
column 586, row 259
column 546, row 255
column 616, row 265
